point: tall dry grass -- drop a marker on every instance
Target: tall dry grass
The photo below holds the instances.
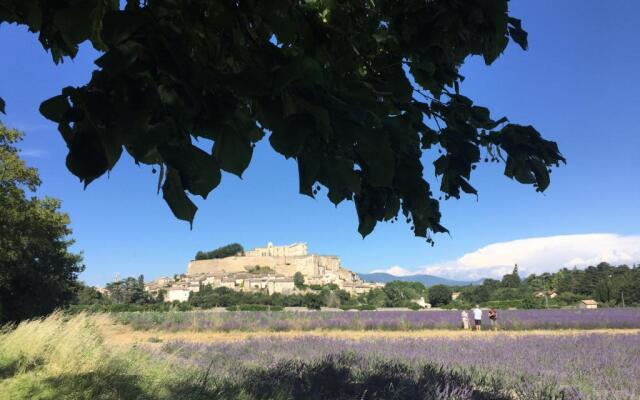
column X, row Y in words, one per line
column 67, row 357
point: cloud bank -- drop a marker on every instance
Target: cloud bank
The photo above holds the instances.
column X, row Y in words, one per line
column 534, row 256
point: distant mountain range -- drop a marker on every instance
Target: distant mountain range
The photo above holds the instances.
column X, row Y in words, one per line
column 427, row 280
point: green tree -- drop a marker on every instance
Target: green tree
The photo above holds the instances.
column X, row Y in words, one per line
column 439, row 295
column 87, row 295
column 630, row 289
column 512, row 280
column 355, row 91
column 602, row 292
column 229, row 250
column 38, row 273
column 477, row 294
column 128, row 291
column 208, row 297
column 401, row 293
column 376, row 297
column 298, row 280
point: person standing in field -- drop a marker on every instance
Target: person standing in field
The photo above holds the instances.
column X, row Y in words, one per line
column 493, row 317
column 465, row 319
column 477, row 316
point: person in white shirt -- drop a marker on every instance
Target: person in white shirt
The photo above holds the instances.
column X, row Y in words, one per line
column 477, row 316
column 465, row 319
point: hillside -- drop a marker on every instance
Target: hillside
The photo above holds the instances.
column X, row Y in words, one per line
column 427, row 280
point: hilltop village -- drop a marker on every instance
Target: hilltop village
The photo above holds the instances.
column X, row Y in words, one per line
column 269, row 270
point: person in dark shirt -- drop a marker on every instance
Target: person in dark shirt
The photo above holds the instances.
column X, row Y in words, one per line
column 493, row 317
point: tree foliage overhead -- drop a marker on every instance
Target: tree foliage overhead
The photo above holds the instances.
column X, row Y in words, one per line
column 229, row 250
column 37, row 271
column 356, row 91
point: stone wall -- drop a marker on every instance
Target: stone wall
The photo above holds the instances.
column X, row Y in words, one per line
column 310, row 265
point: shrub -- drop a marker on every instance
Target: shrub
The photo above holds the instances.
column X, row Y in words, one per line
column 439, row 295
column 298, row 280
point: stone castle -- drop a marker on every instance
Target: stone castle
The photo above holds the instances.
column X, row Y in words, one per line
column 267, row 269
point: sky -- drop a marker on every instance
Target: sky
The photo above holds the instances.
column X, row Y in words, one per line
column 577, row 84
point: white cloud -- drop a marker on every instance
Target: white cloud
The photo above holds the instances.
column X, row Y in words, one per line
column 537, row 255
column 395, row 270
column 33, row 153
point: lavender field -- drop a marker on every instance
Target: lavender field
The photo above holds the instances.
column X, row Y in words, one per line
column 612, row 318
column 586, row 366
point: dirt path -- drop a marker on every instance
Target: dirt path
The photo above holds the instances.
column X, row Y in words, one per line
column 120, row 334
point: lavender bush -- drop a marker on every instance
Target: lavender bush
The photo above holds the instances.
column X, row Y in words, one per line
column 590, row 366
column 376, row 320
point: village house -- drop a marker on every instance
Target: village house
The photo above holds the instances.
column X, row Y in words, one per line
column 422, row 302
column 588, row 304
column 552, row 294
column 103, row 291
column 177, row 293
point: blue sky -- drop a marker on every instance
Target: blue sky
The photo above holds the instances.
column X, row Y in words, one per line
column 577, row 85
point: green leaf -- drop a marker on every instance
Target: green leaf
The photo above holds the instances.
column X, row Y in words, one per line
column 378, row 159
column 541, row 173
column 466, row 187
column 73, row 23
column 320, row 114
column 87, row 157
column 232, row 150
column 55, row 108
column 173, row 193
column 518, row 34
column 312, row 71
column 120, row 25
column 199, row 171
column 120, row 57
column 366, row 223
column 308, row 169
column 289, row 139
column 2, row 104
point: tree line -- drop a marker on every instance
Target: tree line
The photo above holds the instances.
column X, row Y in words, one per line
column 221, row 252
column 607, row 284
column 128, row 295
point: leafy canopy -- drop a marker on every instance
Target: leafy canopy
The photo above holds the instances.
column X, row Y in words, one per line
column 358, row 92
column 38, row 273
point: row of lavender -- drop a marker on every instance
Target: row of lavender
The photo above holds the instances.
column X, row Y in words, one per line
column 377, row 320
column 587, row 366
